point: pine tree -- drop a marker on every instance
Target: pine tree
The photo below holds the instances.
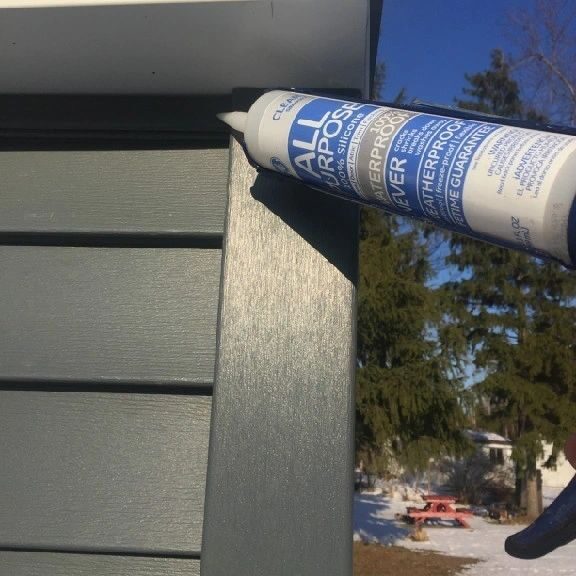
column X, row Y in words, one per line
column 519, row 318
column 493, row 91
column 378, row 83
column 407, row 405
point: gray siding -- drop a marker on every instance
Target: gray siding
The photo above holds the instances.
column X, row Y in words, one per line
column 108, row 314
column 50, row 564
column 109, row 279
column 174, row 192
column 112, row 315
column 279, row 489
column 102, row 472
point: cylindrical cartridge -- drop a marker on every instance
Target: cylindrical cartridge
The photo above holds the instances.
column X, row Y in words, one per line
column 515, row 187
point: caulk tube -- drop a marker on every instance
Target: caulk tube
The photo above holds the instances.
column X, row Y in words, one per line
column 510, row 186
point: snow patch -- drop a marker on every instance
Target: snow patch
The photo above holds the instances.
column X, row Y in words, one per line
column 374, row 521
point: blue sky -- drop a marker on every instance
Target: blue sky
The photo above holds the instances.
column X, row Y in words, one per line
column 428, row 45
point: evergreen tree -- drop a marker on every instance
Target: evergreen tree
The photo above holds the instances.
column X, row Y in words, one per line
column 493, row 91
column 407, row 405
column 379, row 82
column 519, row 318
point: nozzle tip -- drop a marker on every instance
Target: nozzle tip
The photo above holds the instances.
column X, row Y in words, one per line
column 236, row 120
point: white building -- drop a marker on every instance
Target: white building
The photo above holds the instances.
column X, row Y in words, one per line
column 559, row 476
column 496, row 447
column 499, row 450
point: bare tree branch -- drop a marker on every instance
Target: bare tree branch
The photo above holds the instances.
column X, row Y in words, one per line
column 545, row 58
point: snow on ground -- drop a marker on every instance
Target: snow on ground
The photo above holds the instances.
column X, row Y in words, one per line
column 374, row 521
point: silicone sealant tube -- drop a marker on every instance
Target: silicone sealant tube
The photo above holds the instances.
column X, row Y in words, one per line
column 515, row 187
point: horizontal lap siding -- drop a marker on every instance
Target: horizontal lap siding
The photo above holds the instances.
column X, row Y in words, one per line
column 108, row 315
column 104, row 472
column 144, row 192
column 54, row 564
column 109, row 284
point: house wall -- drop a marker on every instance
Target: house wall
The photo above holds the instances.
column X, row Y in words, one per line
column 552, row 478
column 506, row 451
column 555, row 478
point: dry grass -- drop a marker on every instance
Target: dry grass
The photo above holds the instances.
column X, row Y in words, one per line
column 375, row 560
column 517, row 520
column 418, row 534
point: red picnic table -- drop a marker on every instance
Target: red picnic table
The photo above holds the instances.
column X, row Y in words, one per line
column 438, row 508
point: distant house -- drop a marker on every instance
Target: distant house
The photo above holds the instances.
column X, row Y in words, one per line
column 499, row 450
column 560, row 474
